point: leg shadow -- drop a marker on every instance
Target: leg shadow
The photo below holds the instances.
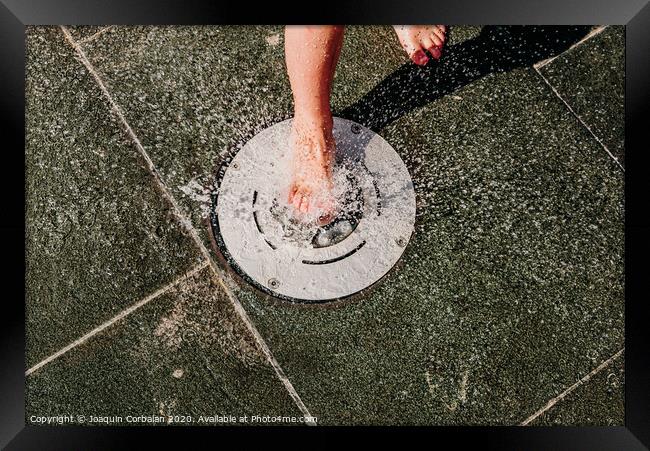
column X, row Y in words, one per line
column 497, row 49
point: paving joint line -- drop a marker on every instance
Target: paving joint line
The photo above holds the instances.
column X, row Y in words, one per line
column 584, row 124
column 95, row 35
column 595, row 32
column 187, row 225
column 123, row 314
column 261, row 343
column 569, row 390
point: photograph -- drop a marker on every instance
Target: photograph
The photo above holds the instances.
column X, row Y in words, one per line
column 325, row 225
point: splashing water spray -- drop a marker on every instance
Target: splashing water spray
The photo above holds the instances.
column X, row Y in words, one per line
column 300, row 260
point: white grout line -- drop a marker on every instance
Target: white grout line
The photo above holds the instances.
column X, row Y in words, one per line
column 185, row 222
column 596, row 31
column 562, row 395
column 95, row 35
column 580, row 119
column 118, row 317
column 266, row 350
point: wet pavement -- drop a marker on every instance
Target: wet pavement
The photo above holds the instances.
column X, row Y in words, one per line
column 509, row 293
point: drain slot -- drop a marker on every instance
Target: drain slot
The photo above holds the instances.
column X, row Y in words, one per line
column 333, row 260
column 378, row 194
column 257, row 223
column 375, row 185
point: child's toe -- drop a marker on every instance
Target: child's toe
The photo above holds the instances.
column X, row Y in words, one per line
column 304, row 205
column 432, row 47
column 292, row 194
column 434, row 41
column 440, row 35
column 297, row 199
column 419, row 57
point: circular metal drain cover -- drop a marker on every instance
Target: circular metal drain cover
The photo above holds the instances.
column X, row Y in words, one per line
column 254, row 228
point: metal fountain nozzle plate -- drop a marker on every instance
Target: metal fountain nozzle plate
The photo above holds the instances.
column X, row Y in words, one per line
column 307, row 263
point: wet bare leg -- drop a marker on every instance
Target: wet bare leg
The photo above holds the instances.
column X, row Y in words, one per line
column 311, row 55
column 415, row 39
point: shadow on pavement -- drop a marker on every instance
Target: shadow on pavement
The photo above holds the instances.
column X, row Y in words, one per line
column 497, row 49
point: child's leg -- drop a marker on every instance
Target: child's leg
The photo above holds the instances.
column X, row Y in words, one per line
column 311, row 55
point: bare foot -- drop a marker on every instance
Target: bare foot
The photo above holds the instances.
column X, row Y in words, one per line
column 417, row 38
column 311, row 186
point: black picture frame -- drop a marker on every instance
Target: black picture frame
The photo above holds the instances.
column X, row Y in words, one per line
column 15, row 15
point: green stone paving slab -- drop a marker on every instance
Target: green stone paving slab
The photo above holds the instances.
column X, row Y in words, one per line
column 512, row 286
column 85, row 31
column 511, row 289
column 599, row 402
column 372, row 53
column 591, row 78
column 459, row 33
column 99, row 236
column 193, row 93
column 381, row 54
column 184, row 353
